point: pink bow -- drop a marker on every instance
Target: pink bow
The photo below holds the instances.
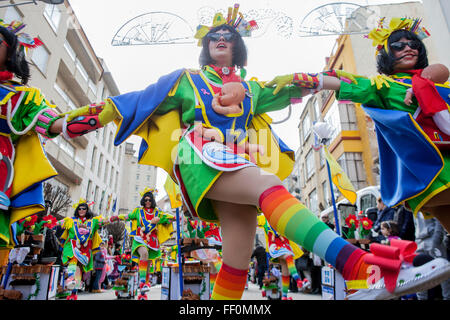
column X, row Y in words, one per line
column 390, row 259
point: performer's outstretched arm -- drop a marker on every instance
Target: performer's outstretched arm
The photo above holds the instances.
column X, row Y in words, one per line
column 85, row 119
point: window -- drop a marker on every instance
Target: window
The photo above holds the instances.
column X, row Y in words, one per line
column 306, row 128
column 88, row 190
column 317, row 109
column 65, row 97
column 110, row 142
column 79, row 160
column 137, row 176
column 100, row 163
column 81, row 69
column 309, row 164
column 65, row 145
column 105, row 175
column 40, row 58
column 148, row 177
column 347, row 116
column 70, row 51
column 367, row 201
column 333, row 119
column 96, row 195
column 111, row 177
column 352, row 164
column 92, row 86
column 117, row 180
column 53, row 16
column 326, row 194
column 313, row 203
column 94, row 154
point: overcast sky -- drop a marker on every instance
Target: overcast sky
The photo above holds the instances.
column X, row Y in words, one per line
column 269, row 54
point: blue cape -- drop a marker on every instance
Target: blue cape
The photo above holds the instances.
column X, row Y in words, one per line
column 409, row 161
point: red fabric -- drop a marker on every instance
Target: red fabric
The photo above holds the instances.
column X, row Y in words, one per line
column 231, row 77
column 6, row 75
column 431, row 102
column 390, row 258
column 426, row 93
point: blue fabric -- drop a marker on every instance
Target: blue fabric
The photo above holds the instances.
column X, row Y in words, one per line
column 137, row 106
column 408, row 161
column 222, row 122
column 31, row 196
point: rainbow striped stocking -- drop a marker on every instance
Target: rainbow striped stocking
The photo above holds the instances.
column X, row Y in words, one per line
column 143, row 266
column 291, row 267
column 292, row 219
column 230, row 283
column 285, row 285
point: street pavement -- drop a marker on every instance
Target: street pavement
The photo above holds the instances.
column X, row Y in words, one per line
column 252, row 293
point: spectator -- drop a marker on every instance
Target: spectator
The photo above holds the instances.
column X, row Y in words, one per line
column 261, row 260
column 99, row 264
column 326, row 220
column 389, row 229
column 405, row 221
column 384, row 214
column 431, row 244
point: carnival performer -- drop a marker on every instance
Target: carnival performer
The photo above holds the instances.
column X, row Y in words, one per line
column 284, row 252
column 80, row 240
column 217, row 180
column 24, row 114
column 150, row 228
column 413, row 138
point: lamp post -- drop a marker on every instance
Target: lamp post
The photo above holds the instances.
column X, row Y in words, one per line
column 55, row 2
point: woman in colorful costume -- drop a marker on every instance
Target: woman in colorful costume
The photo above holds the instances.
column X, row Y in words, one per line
column 413, row 138
column 282, row 251
column 219, row 182
column 24, row 114
column 80, row 240
column 150, row 228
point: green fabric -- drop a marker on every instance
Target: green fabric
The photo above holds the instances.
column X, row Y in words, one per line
column 263, row 98
column 197, row 176
column 135, row 215
column 68, row 254
column 392, row 98
column 25, row 115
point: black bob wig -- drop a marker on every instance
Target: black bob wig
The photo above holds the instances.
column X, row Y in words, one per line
column 89, row 214
column 239, row 48
column 153, row 202
column 386, row 61
column 15, row 61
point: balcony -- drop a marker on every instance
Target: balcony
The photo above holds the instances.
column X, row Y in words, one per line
column 64, row 164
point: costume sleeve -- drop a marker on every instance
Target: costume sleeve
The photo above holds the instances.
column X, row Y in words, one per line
column 34, row 110
column 133, row 215
column 364, row 92
column 165, row 218
column 181, row 97
column 266, row 101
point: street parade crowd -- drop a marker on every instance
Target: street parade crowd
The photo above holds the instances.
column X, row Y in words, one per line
column 226, row 188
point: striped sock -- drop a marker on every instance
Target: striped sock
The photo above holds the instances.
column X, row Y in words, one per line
column 212, row 281
column 292, row 219
column 230, row 283
column 143, row 265
column 285, row 285
column 291, row 267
